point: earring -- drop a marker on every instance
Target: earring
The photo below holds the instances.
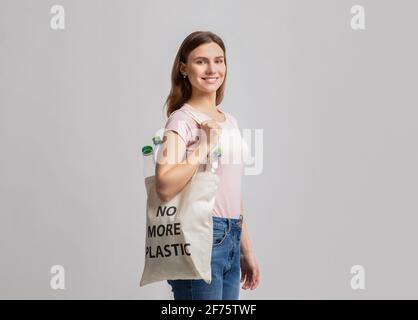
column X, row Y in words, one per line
column 184, row 76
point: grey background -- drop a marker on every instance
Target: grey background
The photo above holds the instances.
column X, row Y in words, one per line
column 338, row 110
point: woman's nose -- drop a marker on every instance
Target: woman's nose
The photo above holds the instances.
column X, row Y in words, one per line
column 211, row 67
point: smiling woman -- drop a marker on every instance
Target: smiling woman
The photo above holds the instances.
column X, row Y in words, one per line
column 198, row 80
column 205, row 69
column 203, row 60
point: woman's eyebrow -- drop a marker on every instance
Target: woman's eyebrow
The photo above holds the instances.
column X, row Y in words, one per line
column 207, row 58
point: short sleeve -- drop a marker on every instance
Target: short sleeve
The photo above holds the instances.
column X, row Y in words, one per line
column 181, row 123
column 245, row 149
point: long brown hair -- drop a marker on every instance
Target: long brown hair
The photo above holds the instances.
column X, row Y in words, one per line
column 181, row 89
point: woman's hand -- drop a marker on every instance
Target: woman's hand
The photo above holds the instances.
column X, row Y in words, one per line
column 211, row 132
column 250, row 273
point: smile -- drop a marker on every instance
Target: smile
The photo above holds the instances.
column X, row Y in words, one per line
column 211, row 79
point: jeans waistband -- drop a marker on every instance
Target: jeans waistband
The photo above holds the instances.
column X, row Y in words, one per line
column 229, row 222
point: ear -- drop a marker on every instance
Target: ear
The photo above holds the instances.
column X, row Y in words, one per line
column 182, row 68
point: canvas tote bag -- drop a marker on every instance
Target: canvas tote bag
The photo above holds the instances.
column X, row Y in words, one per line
column 179, row 232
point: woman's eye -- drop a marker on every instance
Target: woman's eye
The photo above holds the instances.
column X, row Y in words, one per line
column 201, row 61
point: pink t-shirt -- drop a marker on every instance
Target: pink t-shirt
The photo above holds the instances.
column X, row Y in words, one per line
column 230, row 170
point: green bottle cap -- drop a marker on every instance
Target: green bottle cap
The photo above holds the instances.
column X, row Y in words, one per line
column 218, row 152
column 146, row 150
column 156, row 140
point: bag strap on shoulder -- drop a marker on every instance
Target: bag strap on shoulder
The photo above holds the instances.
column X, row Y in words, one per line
column 193, row 116
column 199, row 121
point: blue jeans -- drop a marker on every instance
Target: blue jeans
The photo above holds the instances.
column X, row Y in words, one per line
column 225, row 265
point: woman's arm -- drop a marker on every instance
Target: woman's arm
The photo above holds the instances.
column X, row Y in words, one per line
column 245, row 245
column 250, row 272
column 172, row 171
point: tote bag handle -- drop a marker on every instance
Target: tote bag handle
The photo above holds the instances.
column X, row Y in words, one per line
column 199, row 122
column 193, row 116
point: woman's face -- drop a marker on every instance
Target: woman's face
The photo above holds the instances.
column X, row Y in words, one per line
column 205, row 67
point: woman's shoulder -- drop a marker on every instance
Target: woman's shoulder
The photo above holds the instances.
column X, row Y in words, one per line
column 181, row 115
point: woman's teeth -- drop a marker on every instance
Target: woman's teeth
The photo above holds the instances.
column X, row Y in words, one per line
column 210, row 79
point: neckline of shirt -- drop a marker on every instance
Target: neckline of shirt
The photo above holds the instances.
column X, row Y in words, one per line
column 195, row 110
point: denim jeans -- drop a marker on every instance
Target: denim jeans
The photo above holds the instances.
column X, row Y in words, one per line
column 225, row 265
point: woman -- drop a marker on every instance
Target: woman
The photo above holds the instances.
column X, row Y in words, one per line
column 198, row 84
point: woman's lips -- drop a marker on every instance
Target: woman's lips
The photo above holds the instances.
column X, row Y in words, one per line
column 211, row 79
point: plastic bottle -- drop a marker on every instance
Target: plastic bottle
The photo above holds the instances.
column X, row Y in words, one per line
column 213, row 162
column 157, row 143
column 148, row 161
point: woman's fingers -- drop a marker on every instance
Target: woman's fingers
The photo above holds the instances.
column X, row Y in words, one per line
column 211, row 132
column 248, row 282
column 242, row 277
column 251, row 280
column 256, row 280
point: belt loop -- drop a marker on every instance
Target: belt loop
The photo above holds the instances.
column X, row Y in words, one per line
column 240, row 220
